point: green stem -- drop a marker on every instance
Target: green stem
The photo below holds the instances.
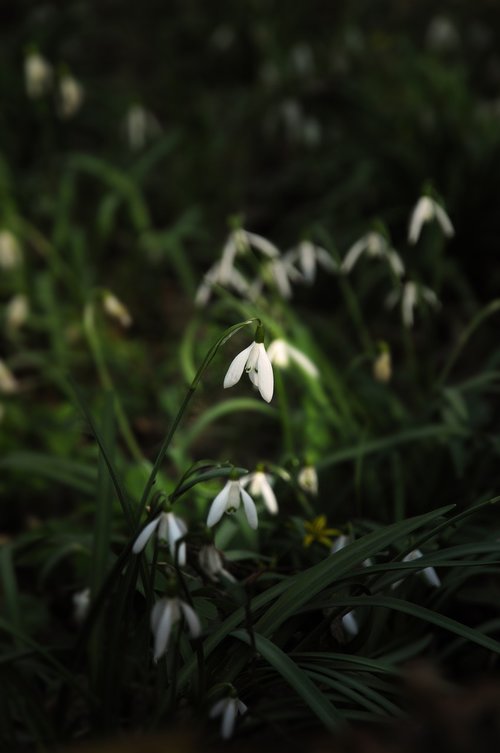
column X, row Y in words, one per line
column 356, row 315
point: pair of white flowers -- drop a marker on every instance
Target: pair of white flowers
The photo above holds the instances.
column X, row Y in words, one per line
column 39, row 77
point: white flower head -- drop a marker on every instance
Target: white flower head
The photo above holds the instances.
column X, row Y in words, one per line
column 228, row 500
column 171, row 530
column 10, row 250
column 71, row 96
column 212, row 564
column 81, row 605
column 8, row 382
column 228, row 709
column 230, row 279
column 374, row 245
column 164, row 615
column 116, row 310
column 255, row 361
column 239, row 243
column 426, row 210
column 282, row 353
column 411, row 294
column 308, row 256
column 429, row 573
column 308, row 479
column 38, row 75
column 17, row 312
column 140, row 126
column 259, row 485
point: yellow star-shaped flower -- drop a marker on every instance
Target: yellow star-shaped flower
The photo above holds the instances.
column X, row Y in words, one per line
column 316, row 530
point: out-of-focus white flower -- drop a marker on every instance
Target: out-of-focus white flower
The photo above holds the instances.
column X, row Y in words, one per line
column 411, row 294
column 350, row 623
column 17, row 312
column 38, row 75
column 426, row 210
column 81, row 604
column 228, row 709
column 308, row 479
column 8, row 382
column 373, row 244
column 442, row 35
column 281, row 353
column 212, row 564
column 71, row 96
column 115, row 309
column 302, row 59
column 240, row 242
column 429, row 573
column 10, row 250
column 382, row 367
column 140, row 126
column 308, row 256
column 228, row 500
column 164, row 615
column 341, row 542
column 255, row 361
column 259, row 485
column 234, row 279
column 171, row 529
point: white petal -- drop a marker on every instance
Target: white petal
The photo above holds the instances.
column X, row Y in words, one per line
column 281, row 280
column 236, row 367
column 350, row 623
column 303, row 361
column 241, row 707
column 444, row 221
column 353, row 255
column 262, row 244
column 269, row 497
column 163, row 528
column 265, row 371
column 192, row 619
column 218, row 507
column 163, row 629
column 325, row 260
column 250, row 509
column 396, row 263
column 229, row 719
column 145, row 535
column 431, row 577
column 308, row 260
column 339, row 543
column 218, row 708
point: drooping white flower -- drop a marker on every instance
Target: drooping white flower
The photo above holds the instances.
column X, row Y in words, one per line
column 255, row 361
column 308, row 479
column 232, row 279
column 281, row 353
column 426, row 210
column 228, row 500
column 71, row 96
column 8, row 382
column 259, row 485
column 10, row 250
column 81, row 605
column 308, row 256
column 38, row 75
column 116, row 310
column 140, row 126
column 164, row 615
column 374, row 245
column 429, row 573
column 238, row 243
column 171, row 530
column 17, row 312
column 411, row 294
column 228, row 709
column 278, row 274
column 212, row 564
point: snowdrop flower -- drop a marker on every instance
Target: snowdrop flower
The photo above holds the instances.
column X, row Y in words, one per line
column 8, row 382
column 259, row 486
column 228, row 709
column 81, row 605
column 10, row 250
column 429, row 573
column 16, row 312
column 281, row 353
column 308, row 479
column 228, row 500
column 255, row 361
column 350, row 623
column 425, row 210
column 171, row 529
column 373, row 244
column 71, row 96
column 410, row 295
column 164, row 615
column 37, row 74
column 382, row 367
column 232, row 279
column 116, row 310
column 140, row 126
column 309, row 256
column 211, row 562
column 240, row 242
column 279, row 274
